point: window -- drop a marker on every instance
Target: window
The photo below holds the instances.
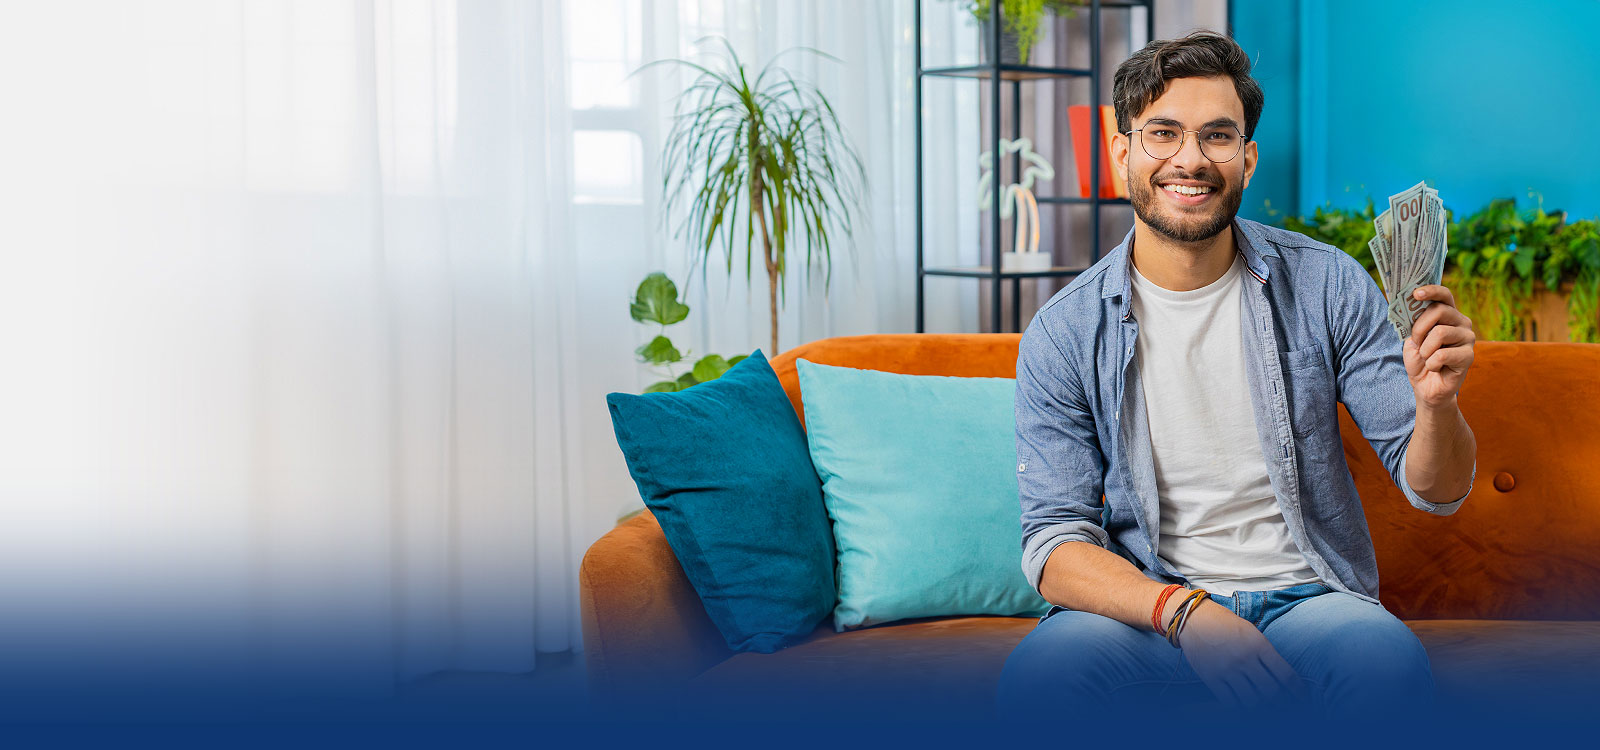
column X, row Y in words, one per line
column 605, row 44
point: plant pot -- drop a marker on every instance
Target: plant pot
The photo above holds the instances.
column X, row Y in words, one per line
column 1010, row 261
column 1010, row 50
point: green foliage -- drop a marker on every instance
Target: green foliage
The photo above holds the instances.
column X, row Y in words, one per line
column 1343, row 228
column 766, row 155
column 1495, row 259
column 656, row 301
column 1021, row 19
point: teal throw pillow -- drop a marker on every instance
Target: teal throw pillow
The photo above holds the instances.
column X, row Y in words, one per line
column 724, row 467
column 918, row 475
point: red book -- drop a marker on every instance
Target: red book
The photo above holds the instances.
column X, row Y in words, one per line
column 1079, row 121
column 1108, row 115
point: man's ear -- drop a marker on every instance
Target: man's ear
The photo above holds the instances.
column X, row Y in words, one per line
column 1250, row 155
column 1119, row 154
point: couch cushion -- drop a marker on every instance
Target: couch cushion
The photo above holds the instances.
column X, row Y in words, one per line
column 1534, row 665
column 922, row 668
column 918, row 476
column 949, row 668
column 725, row 469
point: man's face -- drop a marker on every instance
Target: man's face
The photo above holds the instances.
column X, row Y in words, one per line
column 1187, row 104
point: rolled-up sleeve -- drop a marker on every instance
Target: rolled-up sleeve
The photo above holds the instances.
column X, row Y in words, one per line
column 1060, row 467
column 1372, row 380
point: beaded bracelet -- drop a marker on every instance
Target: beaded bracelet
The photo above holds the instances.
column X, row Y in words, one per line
column 1155, row 617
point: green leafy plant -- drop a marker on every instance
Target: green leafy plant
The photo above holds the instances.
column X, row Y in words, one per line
column 767, row 153
column 1496, row 257
column 657, row 302
column 1021, row 18
column 1344, row 228
column 1576, row 250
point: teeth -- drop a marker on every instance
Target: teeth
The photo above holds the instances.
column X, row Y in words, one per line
column 1186, row 190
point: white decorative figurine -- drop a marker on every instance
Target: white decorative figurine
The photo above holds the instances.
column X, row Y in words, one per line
column 1024, row 255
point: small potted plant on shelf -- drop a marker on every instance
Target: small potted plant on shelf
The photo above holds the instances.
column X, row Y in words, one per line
column 1020, row 22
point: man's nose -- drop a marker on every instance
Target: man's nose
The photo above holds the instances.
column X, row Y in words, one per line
column 1189, row 157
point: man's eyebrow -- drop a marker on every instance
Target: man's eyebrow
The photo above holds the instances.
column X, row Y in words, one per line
column 1214, row 123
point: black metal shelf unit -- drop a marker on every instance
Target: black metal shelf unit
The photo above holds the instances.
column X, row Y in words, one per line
column 996, row 72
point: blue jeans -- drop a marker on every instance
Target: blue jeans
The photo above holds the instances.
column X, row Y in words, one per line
column 1355, row 659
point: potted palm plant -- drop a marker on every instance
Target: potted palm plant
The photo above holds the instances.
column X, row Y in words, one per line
column 763, row 158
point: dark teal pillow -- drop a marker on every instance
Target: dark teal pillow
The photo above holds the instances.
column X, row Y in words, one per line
column 725, row 468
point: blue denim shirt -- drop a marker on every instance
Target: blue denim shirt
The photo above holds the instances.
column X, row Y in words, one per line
column 1314, row 333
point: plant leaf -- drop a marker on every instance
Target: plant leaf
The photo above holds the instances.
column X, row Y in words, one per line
column 665, row 386
column 656, row 301
column 710, row 367
column 659, row 351
column 1524, row 261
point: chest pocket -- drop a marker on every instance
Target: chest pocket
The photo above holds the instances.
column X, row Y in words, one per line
column 1309, row 383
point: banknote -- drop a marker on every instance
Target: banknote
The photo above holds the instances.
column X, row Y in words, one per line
column 1409, row 247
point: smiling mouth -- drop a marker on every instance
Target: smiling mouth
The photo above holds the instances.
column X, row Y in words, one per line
column 1188, row 191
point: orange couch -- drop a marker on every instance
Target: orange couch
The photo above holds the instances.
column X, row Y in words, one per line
column 1504, row 593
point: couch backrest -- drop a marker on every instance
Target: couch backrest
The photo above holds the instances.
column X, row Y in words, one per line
column 1525, row 544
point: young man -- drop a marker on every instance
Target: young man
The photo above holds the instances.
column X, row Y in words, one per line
column 1191, row 379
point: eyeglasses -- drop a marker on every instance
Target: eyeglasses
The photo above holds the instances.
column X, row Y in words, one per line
column 1162, row 141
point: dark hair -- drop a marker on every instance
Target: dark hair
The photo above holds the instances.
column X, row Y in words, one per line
column 1142, row 78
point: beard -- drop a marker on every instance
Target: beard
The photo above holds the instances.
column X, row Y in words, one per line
column 1185, row 227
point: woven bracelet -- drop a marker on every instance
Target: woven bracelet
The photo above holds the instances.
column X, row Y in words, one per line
column 1191, row 604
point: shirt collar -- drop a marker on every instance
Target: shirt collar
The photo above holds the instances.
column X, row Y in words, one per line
column 1247, row 237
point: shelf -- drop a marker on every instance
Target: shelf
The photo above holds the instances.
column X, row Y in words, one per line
column 985, row 272
column 998, row 78
column 1075, row 199
column 1008, row 72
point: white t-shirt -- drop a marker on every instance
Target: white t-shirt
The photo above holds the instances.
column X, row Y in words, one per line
column 1221, row 526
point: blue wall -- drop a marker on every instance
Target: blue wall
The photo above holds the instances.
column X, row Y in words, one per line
column 1365, row 97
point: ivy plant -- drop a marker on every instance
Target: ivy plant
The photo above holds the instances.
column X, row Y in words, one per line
column 1495, row 259
column 656, row 301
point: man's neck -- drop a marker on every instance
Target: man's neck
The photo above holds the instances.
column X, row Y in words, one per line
column 1181, row 266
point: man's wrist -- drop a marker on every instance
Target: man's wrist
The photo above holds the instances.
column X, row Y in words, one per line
column 1439, row 413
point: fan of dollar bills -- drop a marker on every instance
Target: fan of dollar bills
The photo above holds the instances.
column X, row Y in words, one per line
column 1409, row 250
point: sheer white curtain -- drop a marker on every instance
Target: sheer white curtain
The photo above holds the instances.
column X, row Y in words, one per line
column 290, row 337
column 309, row 308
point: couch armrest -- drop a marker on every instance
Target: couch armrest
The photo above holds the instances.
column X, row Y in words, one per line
column 644, row 627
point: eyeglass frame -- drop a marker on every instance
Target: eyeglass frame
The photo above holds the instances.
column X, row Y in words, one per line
column 1183, row 135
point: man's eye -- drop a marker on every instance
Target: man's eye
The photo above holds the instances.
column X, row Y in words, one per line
column 1220, row 136
column 1163, row 133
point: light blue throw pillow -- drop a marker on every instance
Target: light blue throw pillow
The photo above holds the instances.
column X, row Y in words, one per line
column 919, row 478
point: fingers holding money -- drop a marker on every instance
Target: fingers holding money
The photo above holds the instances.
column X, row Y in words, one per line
column 1443, row 313
column 1435, row 293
